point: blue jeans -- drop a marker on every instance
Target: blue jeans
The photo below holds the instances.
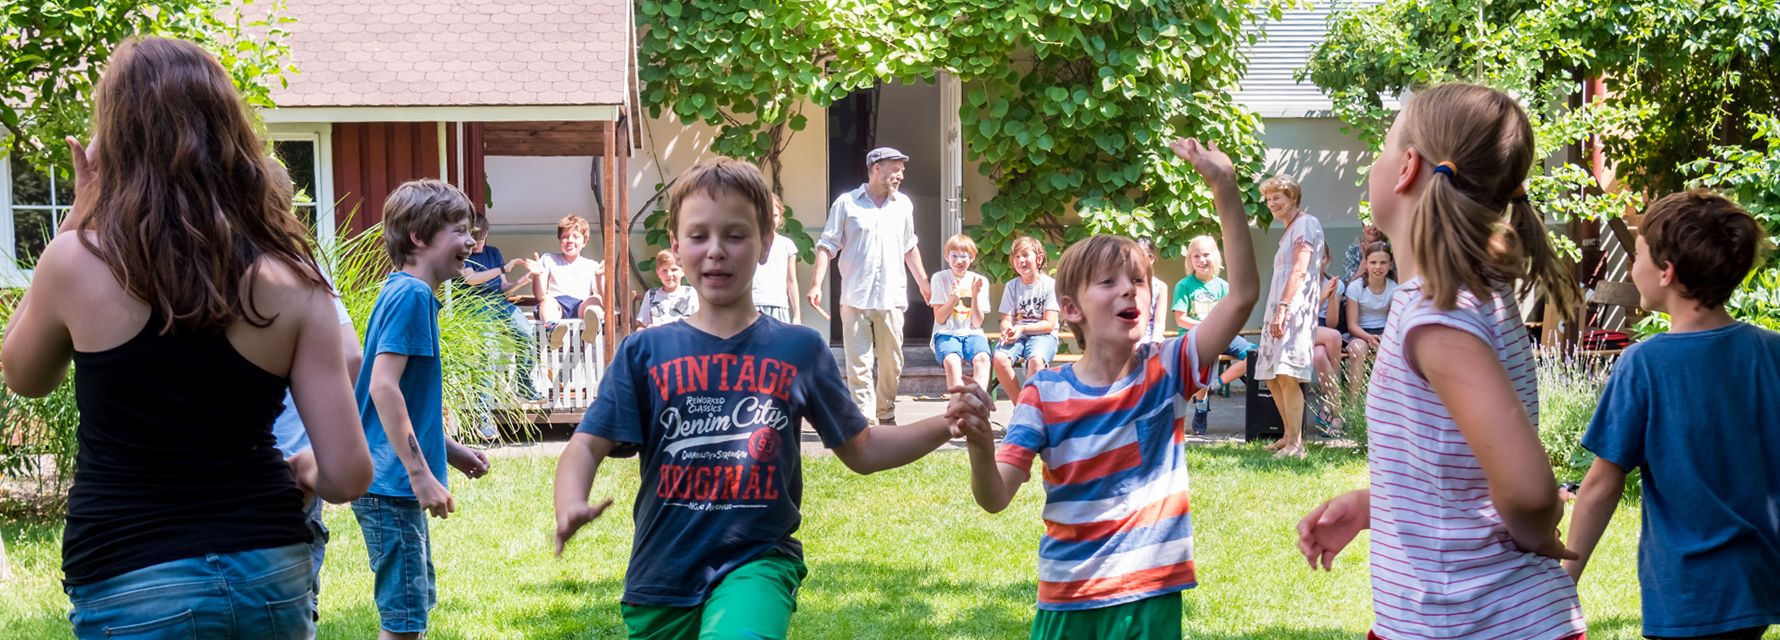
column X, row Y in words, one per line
column 1033, row 345
column 262, row 593
column 401, row 553
column 966, row 347
column 1239, row 348
column 320, row 550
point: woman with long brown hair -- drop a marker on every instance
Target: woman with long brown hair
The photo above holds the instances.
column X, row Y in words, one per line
column 184, row 290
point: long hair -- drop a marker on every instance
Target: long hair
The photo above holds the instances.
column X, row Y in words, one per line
column 1461, row 239
column 189, row 200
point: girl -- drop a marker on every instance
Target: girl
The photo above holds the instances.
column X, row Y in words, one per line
column 184, row 289
column 1194, row 298
column 1463, row 507
column 1285, row 359
column 1368, row 305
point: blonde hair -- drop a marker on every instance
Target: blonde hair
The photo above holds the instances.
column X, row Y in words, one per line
column 1084, row 259
column 1459, row 236
column 1029, row 243
column 572, row 223
column 1285, row 185
column 1209, row 245
column 666, row 258
column 961, row 242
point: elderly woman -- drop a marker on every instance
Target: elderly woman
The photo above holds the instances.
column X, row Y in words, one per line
column 1285, row 358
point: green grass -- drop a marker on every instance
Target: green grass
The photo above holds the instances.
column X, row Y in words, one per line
column 902, row 554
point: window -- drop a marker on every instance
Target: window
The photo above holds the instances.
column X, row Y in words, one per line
column 299, row 158
column 39, row 202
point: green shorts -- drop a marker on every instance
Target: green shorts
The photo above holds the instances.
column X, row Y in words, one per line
column 753, row 601
column 1154, row 618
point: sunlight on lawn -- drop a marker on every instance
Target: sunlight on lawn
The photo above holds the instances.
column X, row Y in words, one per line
column 901, row 554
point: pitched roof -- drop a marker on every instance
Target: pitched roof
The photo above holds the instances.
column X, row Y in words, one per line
column 366, row 53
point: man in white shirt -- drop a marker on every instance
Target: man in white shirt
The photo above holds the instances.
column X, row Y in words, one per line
column 871, row 229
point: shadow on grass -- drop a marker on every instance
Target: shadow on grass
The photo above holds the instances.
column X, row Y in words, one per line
column 874, row 600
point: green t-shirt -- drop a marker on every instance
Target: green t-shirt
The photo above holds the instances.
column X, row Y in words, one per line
column 1196, row 297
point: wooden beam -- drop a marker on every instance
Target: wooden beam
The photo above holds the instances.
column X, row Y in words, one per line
column 616, row 310
column 544, row 138
column 1622, row 294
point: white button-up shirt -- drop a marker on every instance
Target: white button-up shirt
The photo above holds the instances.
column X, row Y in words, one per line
column 869, row 242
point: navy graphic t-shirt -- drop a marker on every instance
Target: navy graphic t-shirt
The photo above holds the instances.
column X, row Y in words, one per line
column 716, row 424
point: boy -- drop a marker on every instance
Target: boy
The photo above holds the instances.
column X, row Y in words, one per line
column 670, row 301
column 1697, row 410
column 713, row 406
column 485, row 274
column 1118, row 548
column 1194, row 298
column 427, row 233
column 1028, row 317
column 958, row 299
column 567, row 285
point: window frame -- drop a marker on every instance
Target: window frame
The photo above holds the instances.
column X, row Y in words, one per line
column 321, row 135
column 10, row 273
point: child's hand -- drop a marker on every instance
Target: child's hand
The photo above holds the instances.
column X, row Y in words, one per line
column 432, row 496
column 1332, row 525
column 1010, row 334
column 303, row 471
column 968, row 412
column 534, row 265
column 570, row 520
column 1212, row 164
column 471, row 462
column 86, row 181
column 1553, row 547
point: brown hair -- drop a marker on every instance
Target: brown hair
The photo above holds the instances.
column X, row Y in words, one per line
column 420, row 208
column 191, row 201
column 961, row 242
column 572, row 223
column 1711, row 242
column 1028, row 242
column 666, row 258
column 723, row 175
column 478, row 225
column 1285, row 185
column 1460, row 239
column 1083, row 260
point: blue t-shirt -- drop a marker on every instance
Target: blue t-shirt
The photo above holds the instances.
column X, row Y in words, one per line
column 488, row 258
column 1699, row 414
column 405, row 320
column 716, row 422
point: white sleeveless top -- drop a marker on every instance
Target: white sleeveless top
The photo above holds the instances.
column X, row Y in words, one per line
column 1443, row 564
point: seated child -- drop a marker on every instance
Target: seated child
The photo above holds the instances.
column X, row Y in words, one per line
column 1194, row 298
column 1156, row 324
column 671, row 301
column 1118, row 544
column 713, row 406
column 1368, row 307
column 1028, row 317
column 959, row 297
column 1697, row 410
column 567, row 285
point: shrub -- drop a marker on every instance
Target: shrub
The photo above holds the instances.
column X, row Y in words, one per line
column 1569, row 389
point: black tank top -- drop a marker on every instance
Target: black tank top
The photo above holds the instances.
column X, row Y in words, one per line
column 176, row 456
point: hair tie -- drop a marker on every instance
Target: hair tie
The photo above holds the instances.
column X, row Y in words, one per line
column 1446, row 168
column 1520, row 194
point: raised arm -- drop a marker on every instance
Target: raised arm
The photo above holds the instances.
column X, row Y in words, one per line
column 575, row 472
column 1226, row 319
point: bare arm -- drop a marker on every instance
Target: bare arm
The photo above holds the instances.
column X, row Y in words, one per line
column 1595, row 501
column 1300, row 272
column 880, row 448
column 392, row 411
column 1043, row 326
column 540, row 284
column 325, row 348
column 473, row 276
column 1184, row 321
column 791, row 288
column 1475, row 389
column 913, row 259
column 992, row 483
column 38, row 346
column 355, row 355
column 817, row 275
column 1353, row 319
column 575, row 471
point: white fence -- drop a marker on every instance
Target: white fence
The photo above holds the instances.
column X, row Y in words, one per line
column 568, row 377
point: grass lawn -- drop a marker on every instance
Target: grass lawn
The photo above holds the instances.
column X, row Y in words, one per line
column 902, row 554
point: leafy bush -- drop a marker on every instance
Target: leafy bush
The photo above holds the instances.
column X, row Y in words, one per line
column 1353, row 413
column 1757, row 302
column 37, row 437
column 1569, row 389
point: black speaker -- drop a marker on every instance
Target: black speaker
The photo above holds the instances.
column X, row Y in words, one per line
column 1261, row 414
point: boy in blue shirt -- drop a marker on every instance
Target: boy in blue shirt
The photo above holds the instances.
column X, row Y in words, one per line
column 1697, row 410
column 714, row 404
column 400, row 388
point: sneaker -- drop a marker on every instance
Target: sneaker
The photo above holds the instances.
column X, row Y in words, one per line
column 557, row 333
column 1199, row 425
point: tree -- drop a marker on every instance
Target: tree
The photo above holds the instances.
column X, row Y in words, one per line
column 1080, row 122
column 52, row 52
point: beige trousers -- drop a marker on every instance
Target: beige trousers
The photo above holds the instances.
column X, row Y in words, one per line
column 866, row 333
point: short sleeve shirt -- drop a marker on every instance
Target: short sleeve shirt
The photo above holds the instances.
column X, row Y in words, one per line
column 1375, row 308
column 1196, row 297
column 1699, row 414
column 716, row 423
column 958, row 324
column 769, row 279
column 661, row 306
column 869, row 242
column 1028, row 303
column 575, row 279
column 488, row 258
column 405, row 320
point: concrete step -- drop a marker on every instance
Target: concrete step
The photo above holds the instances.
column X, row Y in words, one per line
column 921, row 374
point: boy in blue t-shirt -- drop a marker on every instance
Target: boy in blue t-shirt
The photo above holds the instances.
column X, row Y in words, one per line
column 1697, row 410
column 713, row 405
column 400, row 398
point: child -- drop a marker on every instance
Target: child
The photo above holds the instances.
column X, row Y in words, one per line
column 485, row 271
column 1157, row 323
column 1463, row 506
column 400, row 399
column 1118, row 547
column 1368, row 306
column 567, row 285
column 777, row 277
column 1028, row 317
column 670, row 301
column 713, row 406
column 1702, row 429
column 959, row 298
column 1194, row 298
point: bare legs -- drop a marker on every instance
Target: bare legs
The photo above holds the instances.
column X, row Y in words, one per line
column 1357, row 351
column 1289, row 397
column 1004, row 372
column 979, row 369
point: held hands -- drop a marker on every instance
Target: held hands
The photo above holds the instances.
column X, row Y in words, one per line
column 1213, row 165
column 1332, row 525
column 432, row 496
column 471, row 462
column 571, row 518
column 1553, row 547
column 968, row 414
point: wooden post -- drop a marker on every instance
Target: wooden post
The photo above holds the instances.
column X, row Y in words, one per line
column 621, row 215
column 615, row 308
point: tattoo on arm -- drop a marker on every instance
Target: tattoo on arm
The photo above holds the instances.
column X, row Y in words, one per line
column 414, row 446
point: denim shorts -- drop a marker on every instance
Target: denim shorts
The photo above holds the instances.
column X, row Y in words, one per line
column 262, row 593
column 401, row 559
column 1032, row 345
column 1239, row 348
column 967, row 347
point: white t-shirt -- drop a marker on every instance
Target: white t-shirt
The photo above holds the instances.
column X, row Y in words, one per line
column 1028, row 304
column 1375, row 308
column 769, row 278
column 571, row 278
column 660, row 306
column 959, row 323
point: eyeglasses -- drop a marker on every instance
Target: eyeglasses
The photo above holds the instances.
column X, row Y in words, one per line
column 958, row 256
